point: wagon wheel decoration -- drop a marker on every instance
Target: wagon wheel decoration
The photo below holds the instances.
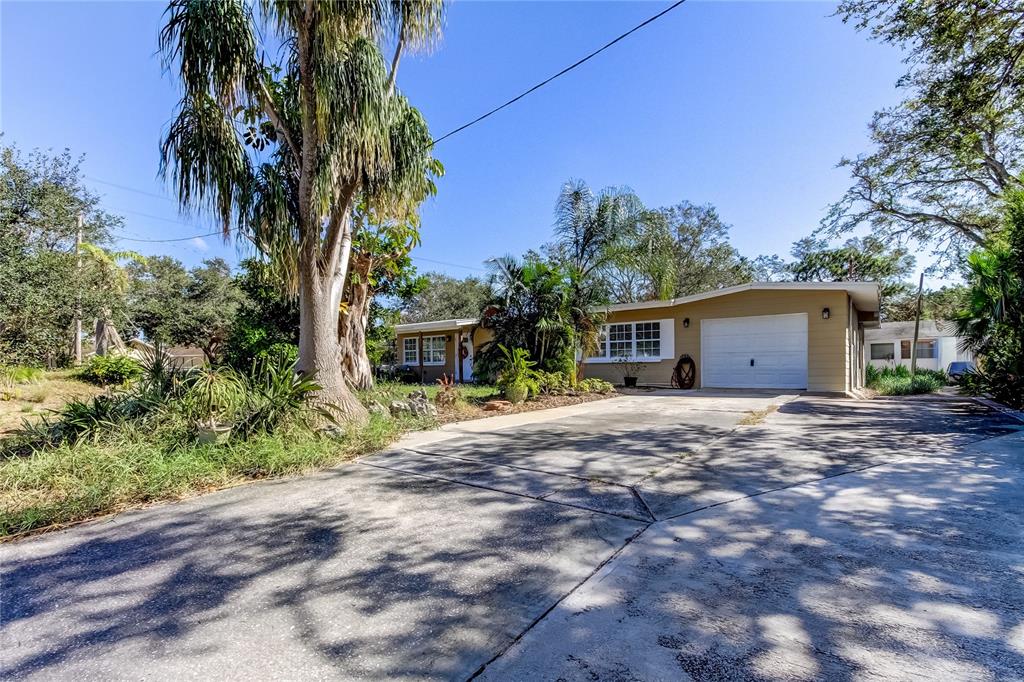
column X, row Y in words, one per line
column 685, row 373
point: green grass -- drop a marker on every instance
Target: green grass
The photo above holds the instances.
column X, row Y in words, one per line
column 74, row 482
column 386, row 392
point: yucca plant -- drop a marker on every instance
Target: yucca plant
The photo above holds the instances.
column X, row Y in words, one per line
column 275, row 393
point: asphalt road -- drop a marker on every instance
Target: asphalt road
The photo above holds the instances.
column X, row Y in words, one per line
column 645, row 537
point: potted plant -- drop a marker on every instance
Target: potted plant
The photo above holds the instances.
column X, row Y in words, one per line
column 630, row 371
column 213, row 395
column 517, row 379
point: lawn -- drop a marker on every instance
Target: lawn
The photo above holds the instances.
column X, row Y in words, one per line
column 130, row 457
column 33, row 398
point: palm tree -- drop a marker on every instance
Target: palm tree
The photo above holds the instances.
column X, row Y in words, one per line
column 591, row 230
column 282, row 149
column 588, row 226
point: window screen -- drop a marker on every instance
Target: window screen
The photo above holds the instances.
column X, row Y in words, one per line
column 883, row 351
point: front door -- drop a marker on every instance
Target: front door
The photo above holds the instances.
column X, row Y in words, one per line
column 467, row 361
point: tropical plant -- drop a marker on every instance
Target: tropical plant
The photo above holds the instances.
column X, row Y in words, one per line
column 528, row 308
column 992, row 322
column 274, row 395
column 595, row 385
column 448, row 391
column 516, row 376
column 284, row 150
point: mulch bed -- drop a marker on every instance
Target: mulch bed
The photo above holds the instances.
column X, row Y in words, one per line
column 467, row 412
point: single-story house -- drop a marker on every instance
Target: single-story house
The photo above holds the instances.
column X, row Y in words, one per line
column 937, row 345
column 180, row 357
column 798, row 335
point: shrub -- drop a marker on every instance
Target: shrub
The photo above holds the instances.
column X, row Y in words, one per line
column 896, row 380
column 12, row 375
column 554, row 383
column 898, row 385
column 594, row 385
column 106, row 370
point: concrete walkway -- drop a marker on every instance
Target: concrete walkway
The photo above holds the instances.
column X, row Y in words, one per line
column 644, row 537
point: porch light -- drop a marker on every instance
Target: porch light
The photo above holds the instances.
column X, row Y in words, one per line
column 825, row 313
column 686, row 322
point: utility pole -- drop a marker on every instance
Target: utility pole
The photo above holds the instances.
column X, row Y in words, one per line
column 917, row 327
column 78, row 288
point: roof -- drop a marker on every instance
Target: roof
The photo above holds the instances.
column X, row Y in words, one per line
column 864, row 295
column 436, row 326
column 905, row 330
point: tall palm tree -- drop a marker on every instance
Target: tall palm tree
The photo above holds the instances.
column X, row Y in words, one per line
column 281, row 149
column 590, row 230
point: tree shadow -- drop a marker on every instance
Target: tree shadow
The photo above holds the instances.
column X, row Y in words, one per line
column 356, row 572
column 911, row 571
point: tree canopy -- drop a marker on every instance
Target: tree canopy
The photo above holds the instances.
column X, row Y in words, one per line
column 944, row 156
column 41, row 198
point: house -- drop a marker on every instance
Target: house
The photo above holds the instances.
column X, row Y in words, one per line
column 937, row 345
column 799, row 335
column 180, row 357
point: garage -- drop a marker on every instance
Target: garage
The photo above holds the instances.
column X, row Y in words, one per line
column 762, row 351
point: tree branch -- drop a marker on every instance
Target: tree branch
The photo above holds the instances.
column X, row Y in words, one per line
column 394, row 62
column 275, row 118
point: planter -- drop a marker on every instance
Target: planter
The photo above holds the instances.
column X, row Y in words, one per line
column 629, row 382
column 516, row 393
column 214, row 435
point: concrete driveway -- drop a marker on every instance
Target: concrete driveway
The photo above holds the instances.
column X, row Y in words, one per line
column 645, row 537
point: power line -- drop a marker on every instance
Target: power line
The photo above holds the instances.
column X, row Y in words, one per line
column 160, row 241
column 451, row 265
column 564, row 71
column 128, row 189
column 433, row 143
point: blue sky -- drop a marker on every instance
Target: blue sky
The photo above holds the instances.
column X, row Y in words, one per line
column 746, row 105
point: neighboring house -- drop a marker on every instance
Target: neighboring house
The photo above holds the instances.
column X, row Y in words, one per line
column 181, row 357
column 937, row 345
column 800, row 335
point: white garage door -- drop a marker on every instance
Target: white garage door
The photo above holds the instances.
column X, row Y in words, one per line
column 766, row 351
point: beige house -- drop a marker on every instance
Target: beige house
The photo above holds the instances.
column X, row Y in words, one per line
column 796, row 335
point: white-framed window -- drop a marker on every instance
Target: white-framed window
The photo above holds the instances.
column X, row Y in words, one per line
column 410, row 353
column 648, row 340
column 433, row 350
column 634, row 340
column 620, row 340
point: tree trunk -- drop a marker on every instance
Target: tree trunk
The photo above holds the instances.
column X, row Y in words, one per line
column 319, row 351
column 353, row 324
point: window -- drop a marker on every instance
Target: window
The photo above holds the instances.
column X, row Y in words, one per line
column 433, row 350
column 638, row 340
column 648, row 340
column 409, row 354
column 883, row 351
column 620, row 340
column 925, row 349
